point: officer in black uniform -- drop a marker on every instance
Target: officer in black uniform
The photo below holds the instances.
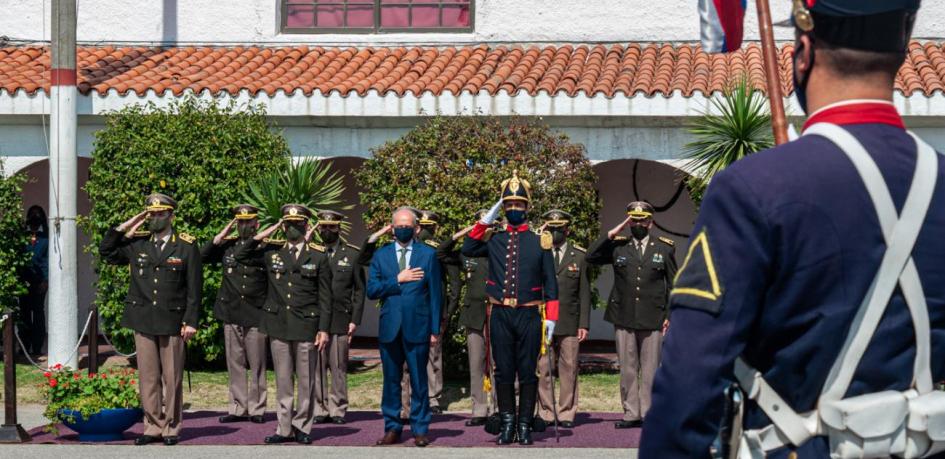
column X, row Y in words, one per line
column 296, row 315
column 473, row 319
column 644, row 269
column 242, row 293
column 347, row 306
column 521, row 281
column 574, row 310
column 162, row 307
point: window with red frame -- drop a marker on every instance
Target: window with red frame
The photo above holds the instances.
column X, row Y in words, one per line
column 377, row 16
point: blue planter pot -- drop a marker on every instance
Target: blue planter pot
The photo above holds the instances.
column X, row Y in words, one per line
column 106, row 425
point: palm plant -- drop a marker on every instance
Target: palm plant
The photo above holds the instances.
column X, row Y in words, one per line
column 742, row 126
column 309, row 182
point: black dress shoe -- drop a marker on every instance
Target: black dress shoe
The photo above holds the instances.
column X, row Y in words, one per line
column 145, row 439
column 276, row 439
column 303, row 438
column 170, row 441
column 628, row 424
column 476, row 421
column 436, row 410
column 257, row 419
column 228, row 418
column 421, row 440
column 321, row 420
column 338, row 420
column 567, row 424
column 391, row 437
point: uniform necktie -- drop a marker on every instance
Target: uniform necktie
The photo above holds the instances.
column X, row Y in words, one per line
column 557, row 256
column 294, row 252
column 331, row 253
column 403, row 259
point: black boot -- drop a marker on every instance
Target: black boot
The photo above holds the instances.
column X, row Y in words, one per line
column 505, row 398
column 526, row 412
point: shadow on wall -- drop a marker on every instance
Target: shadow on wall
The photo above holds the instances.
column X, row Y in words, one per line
column 624, row 180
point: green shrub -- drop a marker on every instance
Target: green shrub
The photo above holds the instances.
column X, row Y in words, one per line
column 13, row 239
column 455, row 165
column 202, row 154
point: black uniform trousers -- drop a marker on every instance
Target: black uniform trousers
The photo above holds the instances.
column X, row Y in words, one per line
column 515, row 335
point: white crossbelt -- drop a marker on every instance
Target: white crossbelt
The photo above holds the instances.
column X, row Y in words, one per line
column 897, row 267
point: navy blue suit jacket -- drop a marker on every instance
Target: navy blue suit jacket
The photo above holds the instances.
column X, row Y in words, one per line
column 412, row 308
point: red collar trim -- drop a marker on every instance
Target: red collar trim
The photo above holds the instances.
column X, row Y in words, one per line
column 518, row 229
column 857, row 113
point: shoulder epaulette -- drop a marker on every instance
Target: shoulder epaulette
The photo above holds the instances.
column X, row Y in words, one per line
column 620, row 238
column 579, row 248
column 668, row 241
column 274, row 241
column 141, row 233
column 352, row 246
column 316, row 247
column 230, row 238
column 187, row 238
column 431, row 243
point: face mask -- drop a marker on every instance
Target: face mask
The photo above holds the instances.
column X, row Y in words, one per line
column 329, row 237
column 558, row 237
column 800, row 83
column 403, row 234
column 246, row 231
column 158, row 224
column 426, row 233
column 515, row 217
column 639, row 232
column 294, row 233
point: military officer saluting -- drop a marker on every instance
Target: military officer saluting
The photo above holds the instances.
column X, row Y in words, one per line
column 521, row 279
column 347, row 306
column 644, row 267
column 429, row 221
column 574, row 310
column 239, row 302
column 814, row 275
column 296, row 315
column 473, row 318
column 162, row 307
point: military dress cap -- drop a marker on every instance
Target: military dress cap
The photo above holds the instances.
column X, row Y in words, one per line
column 245, row 211
column 516, row 189
column 330, row 217
column 869, row 25
column 639, row 210
column 429, row 217
column 556, row 217
column 296, row 212
column 156, row 202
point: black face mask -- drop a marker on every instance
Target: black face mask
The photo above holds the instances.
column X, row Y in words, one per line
column 246, row 231
column 639, row 232
column 329, row 237
column 515, row 217
column 558, row 236
column 800, row 81
column 294, row 233
column 34, row 223
column 158, row 224
column 426, row 233
column 404, row 234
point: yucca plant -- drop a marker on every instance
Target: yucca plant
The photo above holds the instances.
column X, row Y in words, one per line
column 309, row 182
column 739, row 126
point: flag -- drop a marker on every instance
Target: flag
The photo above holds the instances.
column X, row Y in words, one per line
column 722, row 23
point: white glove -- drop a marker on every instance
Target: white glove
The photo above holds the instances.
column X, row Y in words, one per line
column 490, row 216
column 549, row 330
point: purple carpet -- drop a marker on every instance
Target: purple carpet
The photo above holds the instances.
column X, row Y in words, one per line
column 591, row 430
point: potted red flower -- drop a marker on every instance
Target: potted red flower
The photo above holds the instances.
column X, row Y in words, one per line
column 98, row 406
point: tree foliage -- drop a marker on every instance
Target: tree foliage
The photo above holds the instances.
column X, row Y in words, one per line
column 202, row 154
column 13, row 239
column 455, row 165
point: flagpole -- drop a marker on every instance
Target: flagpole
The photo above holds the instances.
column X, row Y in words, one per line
column 770, row 53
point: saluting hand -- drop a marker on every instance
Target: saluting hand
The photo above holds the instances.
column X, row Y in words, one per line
column 459, row 234
column 132, row 224
column 218, row 239
column 309, row 230
column 377, row 235
column 268, row 231
column 617, row 229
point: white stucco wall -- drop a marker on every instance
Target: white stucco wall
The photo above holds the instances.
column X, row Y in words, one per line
column 258, row 21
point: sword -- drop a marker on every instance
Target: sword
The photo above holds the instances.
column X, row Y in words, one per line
column 726, row 444
column 554, row 401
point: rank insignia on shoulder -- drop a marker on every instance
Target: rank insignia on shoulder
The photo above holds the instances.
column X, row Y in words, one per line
column 187, row 238
column 274, row 241
column 316, row 247
column 141, row 233
column 352, row 246
column 697, row 284
column 579, row 248
column 431, row 243
column 668, row 241
column 620, row 238
column 230, row 238
column 546, row 240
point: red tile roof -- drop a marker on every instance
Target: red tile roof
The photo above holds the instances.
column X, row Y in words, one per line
column 617, row 70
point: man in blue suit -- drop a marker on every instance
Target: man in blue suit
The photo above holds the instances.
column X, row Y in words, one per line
column 405, row 277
